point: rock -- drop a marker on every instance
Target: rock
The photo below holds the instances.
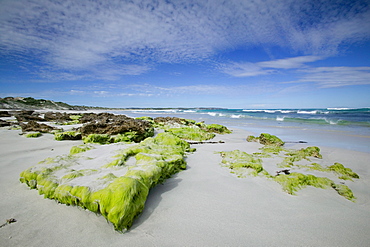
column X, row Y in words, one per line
column 4, row 123
column 4, row 114
column 36, row 127
column 169, row 120
column 26, row 116
column 57, row 117
column 106, row 123
column 267, row 139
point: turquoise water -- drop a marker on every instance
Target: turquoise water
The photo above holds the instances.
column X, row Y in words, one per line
column 347, row 128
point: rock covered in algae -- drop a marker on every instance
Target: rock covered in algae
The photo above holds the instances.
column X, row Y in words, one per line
column 191, row 133
column 113, row 180
column 110, row 124
column 266, row 139
column 240, row 162
column 67, row 135
column 189, row 129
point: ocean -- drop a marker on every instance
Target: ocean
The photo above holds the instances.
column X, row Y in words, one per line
column 347, row 128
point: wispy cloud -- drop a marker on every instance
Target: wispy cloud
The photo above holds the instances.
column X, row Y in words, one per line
column 86, row 39
column 246, row 69
column 327, row 77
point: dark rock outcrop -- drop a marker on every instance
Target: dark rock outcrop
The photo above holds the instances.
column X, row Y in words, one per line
column 107, row 123
column 26, row 116
column 5, row 114
column 36, row 127
column 4, row 123
column 57, row 117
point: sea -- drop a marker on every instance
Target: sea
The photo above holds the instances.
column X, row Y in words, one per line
column 347, row 128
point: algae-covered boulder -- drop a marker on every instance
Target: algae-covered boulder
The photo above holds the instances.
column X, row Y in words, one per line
column 110, row 124
column 217, row 128
column 33, row 135
column 103, row 180
column 266, row 139
column 242, row 163
column 67, row 135
column 191, row 133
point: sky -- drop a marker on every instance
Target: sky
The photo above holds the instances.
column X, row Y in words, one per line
column 187, row 53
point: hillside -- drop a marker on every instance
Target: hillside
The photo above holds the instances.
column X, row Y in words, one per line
column 30, row 103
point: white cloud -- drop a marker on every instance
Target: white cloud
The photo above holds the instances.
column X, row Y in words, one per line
column 327, row 77
column 289, row 63
column 86, row 38
column 245, row 69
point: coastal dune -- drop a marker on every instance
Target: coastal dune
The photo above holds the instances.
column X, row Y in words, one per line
column 204, row 205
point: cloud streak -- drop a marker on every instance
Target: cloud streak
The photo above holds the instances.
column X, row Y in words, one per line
column 329, row 77
column 92, row 39
column 246, row 69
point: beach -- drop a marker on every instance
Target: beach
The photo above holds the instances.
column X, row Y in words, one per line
column 204, row 205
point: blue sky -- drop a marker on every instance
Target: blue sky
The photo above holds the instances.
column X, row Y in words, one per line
column 234, row 53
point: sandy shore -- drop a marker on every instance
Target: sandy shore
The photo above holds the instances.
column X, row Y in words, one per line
column 204, row 205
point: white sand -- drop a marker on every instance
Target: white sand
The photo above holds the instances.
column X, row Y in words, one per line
column 204, row 205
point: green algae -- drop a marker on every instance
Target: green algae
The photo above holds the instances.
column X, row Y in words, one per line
column 130, row 136
column 298, row 155
column 344, row 191
column 67, row 135
column 191, row 133
column 149, row 119
column 266, row 139
column 217, row 128
column 343, row 172
column 80, row 149
column 120, row 199
column 75, row 117
column 97, row 138
column 240, row 162
column 296, row 181
column 34, row 135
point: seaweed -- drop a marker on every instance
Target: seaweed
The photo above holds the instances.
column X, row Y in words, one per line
column 239, row 161
column 217, row 128
column 67, row 135
column 79, row 149
column 344, row 172
column 33, row 135
column 235, row 160
column 294, row 181
column 191, row 133
column 98, row 138
column 119, row 198
column 266, row 139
